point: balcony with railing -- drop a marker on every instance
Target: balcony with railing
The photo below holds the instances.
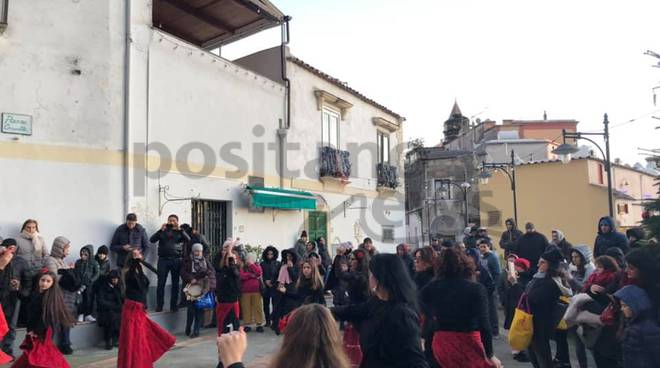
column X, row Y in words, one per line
column 387, row 177
column 335, row 165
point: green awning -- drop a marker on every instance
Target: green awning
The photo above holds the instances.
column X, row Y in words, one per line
column 282, row 198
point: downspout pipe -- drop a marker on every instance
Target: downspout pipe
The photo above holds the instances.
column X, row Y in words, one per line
column 284, row 126
column 127, row 77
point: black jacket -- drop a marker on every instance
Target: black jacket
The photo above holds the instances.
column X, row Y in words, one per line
column 228, row 284
column 35, row 321
column 305, row 294
column 109, row 301
column 137, row 283
column 357, row 286
column 543, row 295
column 325, row 255
column 136, row 237
column 104, row 266
column 509, row 239
column 389, row 333
column 17, row 269
column 170, row 242
column 88, row 270
column 612, row 239
column 423, row 278
column 530, row 246
column 459, row 305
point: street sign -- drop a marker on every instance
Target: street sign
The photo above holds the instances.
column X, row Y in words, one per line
column 16, row 124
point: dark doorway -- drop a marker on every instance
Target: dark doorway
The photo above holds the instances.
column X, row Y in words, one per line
column 210, row 219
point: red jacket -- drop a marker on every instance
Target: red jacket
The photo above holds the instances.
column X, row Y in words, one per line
column 250, row 279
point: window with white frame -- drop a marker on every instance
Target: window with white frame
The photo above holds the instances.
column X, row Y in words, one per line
column 330, row 128
column 383, row 143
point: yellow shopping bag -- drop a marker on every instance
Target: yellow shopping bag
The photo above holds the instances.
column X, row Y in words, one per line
column 522, row 327
column 563, row 304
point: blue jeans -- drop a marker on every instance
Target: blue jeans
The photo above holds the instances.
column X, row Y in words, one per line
column 168, row 266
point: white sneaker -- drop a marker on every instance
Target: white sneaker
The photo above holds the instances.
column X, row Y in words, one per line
column 90, row 318
column 81, row 318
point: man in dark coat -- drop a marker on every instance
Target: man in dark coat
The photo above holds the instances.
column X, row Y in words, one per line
column 531, row 246
column 608, row 237
column 127, row 237
column 170, row 239
column 326, row 261
column 15, row 283
column 510, row 237
column 301, row 245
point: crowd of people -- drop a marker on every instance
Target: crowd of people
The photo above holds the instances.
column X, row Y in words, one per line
column 436, row 306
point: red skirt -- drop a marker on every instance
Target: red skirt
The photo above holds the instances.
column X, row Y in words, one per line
column 141, row 340
column 459, row 350
column 38, row 353
column 352, row 345
column 4, row 328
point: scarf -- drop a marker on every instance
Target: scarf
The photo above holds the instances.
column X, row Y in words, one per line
column 198, row 264
column 37, row 243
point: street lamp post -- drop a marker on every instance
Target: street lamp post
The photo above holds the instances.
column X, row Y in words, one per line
column 464, row 189
column 509, row 168
column 565, row 152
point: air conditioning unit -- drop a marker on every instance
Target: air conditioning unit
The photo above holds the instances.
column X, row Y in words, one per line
column 4, row 10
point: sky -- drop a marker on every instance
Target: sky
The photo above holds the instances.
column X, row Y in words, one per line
column 506, row 59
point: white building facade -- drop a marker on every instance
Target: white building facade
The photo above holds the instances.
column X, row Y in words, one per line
column 109, row 114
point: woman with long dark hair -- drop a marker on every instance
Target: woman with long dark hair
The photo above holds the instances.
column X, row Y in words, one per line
column 45, row 311
column 141, row 340
column 388, row 322
column 357, row 277
column 459, row 309
column 425, row 259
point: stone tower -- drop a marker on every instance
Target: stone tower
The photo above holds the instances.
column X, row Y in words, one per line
column 456, row 124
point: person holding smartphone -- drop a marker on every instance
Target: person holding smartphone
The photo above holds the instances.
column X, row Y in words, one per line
column 170, row 239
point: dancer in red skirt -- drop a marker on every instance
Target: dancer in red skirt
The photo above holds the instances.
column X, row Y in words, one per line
column 228, row 287
column 141, row 341
column 45, row 310
column 4, row 328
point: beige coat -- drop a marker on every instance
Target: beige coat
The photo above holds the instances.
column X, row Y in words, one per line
column 32, row 248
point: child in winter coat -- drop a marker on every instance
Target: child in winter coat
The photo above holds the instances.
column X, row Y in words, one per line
column 103, row 260
column 252, row 307
column 641, row 335
column 110, row 299
column 46, row 310
column 88, row 270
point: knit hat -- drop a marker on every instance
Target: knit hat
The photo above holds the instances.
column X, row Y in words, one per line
column 522, row 263
column 553, row 256
column 303, row 234
column 9, row 242
column 103, row 250
column 197, row 247
column 635, row 298
column 529, row 226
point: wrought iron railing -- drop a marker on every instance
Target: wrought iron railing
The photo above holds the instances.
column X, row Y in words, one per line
column 335, row 163
column 387, row 176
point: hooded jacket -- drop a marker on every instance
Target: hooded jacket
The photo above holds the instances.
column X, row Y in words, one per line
column 270, row 268
column 577, row 280
column 611, row 239
column 641, row 336
column 55, row 260
column 88, row 270
column 564, row 246
column 509, row 238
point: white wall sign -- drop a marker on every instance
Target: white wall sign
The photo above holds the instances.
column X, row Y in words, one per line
column 16, row 124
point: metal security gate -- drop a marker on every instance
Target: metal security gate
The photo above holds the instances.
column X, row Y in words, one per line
column 210, row 219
